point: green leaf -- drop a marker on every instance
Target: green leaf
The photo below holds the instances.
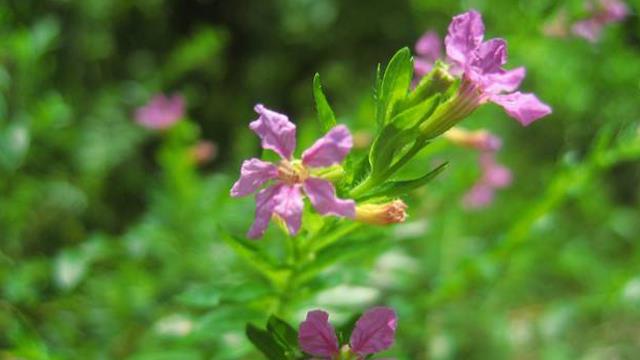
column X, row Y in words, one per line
column 359, row 167
column 413, row 116
column 221, row 319
column 395, row 84
column 326, row 117
column 265, row 342
column 353, row 247
column 395, row 188
column 201, row 296
column 384, row 147
column 195, row 53
column 252, row 255
column 283, row 332
column 400, row 131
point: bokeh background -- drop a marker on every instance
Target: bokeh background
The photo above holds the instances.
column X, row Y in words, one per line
column 110, row 234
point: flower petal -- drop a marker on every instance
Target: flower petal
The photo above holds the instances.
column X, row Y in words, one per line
column 289, row 207
column 316, row 336
column 479, row 196
column 428, row 46
column 329, row 149
column 614, row 10
column 374, row 332
column 504, row 81
column 494, row 174
column 322, row 195
column 421, row 66
column 589, row 29
column 253, row 173
column 275, row 130
column 466, row 32
column 526, row 108
column 490, row 56
column 265, row 203
column 161, row 112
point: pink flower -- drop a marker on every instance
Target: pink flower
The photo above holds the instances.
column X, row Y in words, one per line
column 480, row 64
column 428, row 50
column 292, row 177
column 374, row 332
column 161, row 112
column 602, row 14
column 484, row 78
column 494, row 176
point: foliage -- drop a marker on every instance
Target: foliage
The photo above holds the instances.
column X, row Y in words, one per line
column 116, row 243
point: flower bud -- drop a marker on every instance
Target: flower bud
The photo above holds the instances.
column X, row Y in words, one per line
column 203, row 152
column 392, row 212
column 479, row 140
column 439, row 80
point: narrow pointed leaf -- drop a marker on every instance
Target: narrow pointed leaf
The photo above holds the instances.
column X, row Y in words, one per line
column 265, row 342
column 252, row 256
column 283, row 332
column 395, row 188
column 395, row 83
column 413, row 116
column 326, row 117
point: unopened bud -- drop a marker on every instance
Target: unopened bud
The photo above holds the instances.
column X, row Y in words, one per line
column 479, row 140
column 392, row 212
column 203, row 152
column 439, row 80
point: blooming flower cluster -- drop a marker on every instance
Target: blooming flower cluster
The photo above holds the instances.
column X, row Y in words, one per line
column 480, row 65
column 290, row 177
column 374, row 332
column 161, row 112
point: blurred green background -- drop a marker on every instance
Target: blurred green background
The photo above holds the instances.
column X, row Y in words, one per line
column 110, row 234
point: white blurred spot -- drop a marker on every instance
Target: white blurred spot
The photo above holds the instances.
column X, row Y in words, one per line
column 346, row 295
column 411, row 229
column 69, row 270
column 440, row 347
column 233, row 338
column 391, row 265
column 174, row 325
column 631, row 291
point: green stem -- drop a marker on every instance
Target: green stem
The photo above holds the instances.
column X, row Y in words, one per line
column 320, row 243
column 373, row 181
column 294, row 260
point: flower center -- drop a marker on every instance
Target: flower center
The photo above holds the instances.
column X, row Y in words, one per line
column 292, row 172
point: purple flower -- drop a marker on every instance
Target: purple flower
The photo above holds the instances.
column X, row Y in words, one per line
column 494, row 176
column 290, row 178
column 374, row 332
column 428, row 50
column 161, row 112
column 602, row 14
column 484, row 78
column 480, row 64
